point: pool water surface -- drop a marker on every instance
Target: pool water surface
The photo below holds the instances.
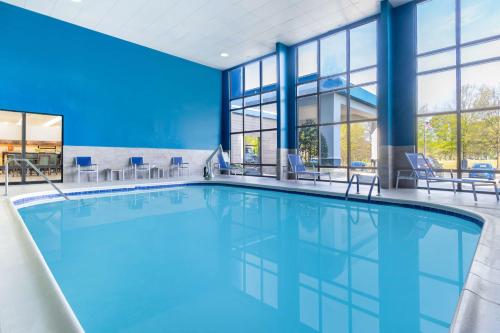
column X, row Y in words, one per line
column 227, row 259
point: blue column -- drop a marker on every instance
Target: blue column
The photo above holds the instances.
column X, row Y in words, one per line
column 286, row 104
column 225, row 121
column 292, row 105
column 404, row 82
column 396, row 90
column 282, row 61
column 405, row 87
column 385, row 93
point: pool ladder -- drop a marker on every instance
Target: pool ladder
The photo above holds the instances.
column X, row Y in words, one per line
column 38, row 171
column 357, row 177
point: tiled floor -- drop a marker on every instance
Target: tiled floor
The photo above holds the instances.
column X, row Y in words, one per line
column 29, row 301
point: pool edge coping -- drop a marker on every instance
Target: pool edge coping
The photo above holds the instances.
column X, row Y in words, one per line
column 457, row 324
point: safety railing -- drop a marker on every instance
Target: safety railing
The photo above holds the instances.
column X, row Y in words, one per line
column 372, row 181
column 34, row 167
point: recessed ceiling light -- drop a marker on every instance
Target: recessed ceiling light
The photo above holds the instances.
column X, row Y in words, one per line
column 52, row 121
column 224, row 55
column 76, row 0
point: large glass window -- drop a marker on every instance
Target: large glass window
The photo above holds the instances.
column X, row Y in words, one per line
column 36, row 137
column 333, row 54
column 435, row 25
column 479, row 19
column 363, row 46
column 337, row 110
column 254, row 117
column 458, row 78
column 308, row 59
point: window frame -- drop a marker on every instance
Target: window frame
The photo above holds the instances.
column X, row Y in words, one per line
column 252, row 93
column 318, row 78
column 457, row 67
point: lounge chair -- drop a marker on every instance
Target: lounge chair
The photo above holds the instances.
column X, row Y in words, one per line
column 223, row 165
column 179, row 164
column 137, row 165
column 422, row 170
column 297, row 167
column 84, row 165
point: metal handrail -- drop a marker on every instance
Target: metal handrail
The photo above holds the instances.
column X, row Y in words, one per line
column 372, row 184
column 38, row 171
column 209, row 172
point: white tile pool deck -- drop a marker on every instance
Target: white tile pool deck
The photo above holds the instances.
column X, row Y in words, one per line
column 29, row 302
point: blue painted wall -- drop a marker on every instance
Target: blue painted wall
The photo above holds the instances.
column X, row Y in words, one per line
column 111, row 92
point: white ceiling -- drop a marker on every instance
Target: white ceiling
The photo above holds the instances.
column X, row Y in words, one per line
column 199, row 30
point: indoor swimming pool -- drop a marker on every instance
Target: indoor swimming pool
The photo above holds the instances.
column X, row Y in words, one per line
column 215, row 258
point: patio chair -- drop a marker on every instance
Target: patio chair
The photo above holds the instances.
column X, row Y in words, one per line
column 422, row 170
column 84, row 165
column 177, row 163
column 44, row 163
column 223, row 165
column 137, row 165
column 298, row 168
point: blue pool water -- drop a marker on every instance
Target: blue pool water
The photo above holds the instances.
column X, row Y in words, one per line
column 228, row 259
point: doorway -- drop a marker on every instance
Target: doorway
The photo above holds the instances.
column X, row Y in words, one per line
column 33, row 136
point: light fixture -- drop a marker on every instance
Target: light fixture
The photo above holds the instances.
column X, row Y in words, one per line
column 52, row 121
column 224, row 55
column 77, row 1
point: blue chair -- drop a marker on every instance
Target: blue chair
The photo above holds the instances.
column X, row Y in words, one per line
column 177, row 163
column 84, row 165
column 422, row 170
column 223, row 165
column 137, row 164
column 297, row 167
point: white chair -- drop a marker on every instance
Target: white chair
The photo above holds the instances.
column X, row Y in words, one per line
column 137, row 164
column 176, row 163
column 84, row 165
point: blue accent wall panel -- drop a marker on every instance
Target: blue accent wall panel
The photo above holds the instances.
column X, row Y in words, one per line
column 111, row 92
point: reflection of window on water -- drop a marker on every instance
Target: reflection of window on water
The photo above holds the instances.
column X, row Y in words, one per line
column 254, row 268
column 335, row 255
column 338, row 268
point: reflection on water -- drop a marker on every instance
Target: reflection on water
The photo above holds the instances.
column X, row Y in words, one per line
column 224, row 259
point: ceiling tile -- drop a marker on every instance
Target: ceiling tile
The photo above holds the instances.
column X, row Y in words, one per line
column 199, row 30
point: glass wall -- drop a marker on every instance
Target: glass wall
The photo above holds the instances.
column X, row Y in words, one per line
column 337, row 102
column 254, row 117
column 458, row 74
column 37, row 137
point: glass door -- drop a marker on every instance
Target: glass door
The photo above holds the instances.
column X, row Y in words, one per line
column 11, row 146
column 36, row 137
